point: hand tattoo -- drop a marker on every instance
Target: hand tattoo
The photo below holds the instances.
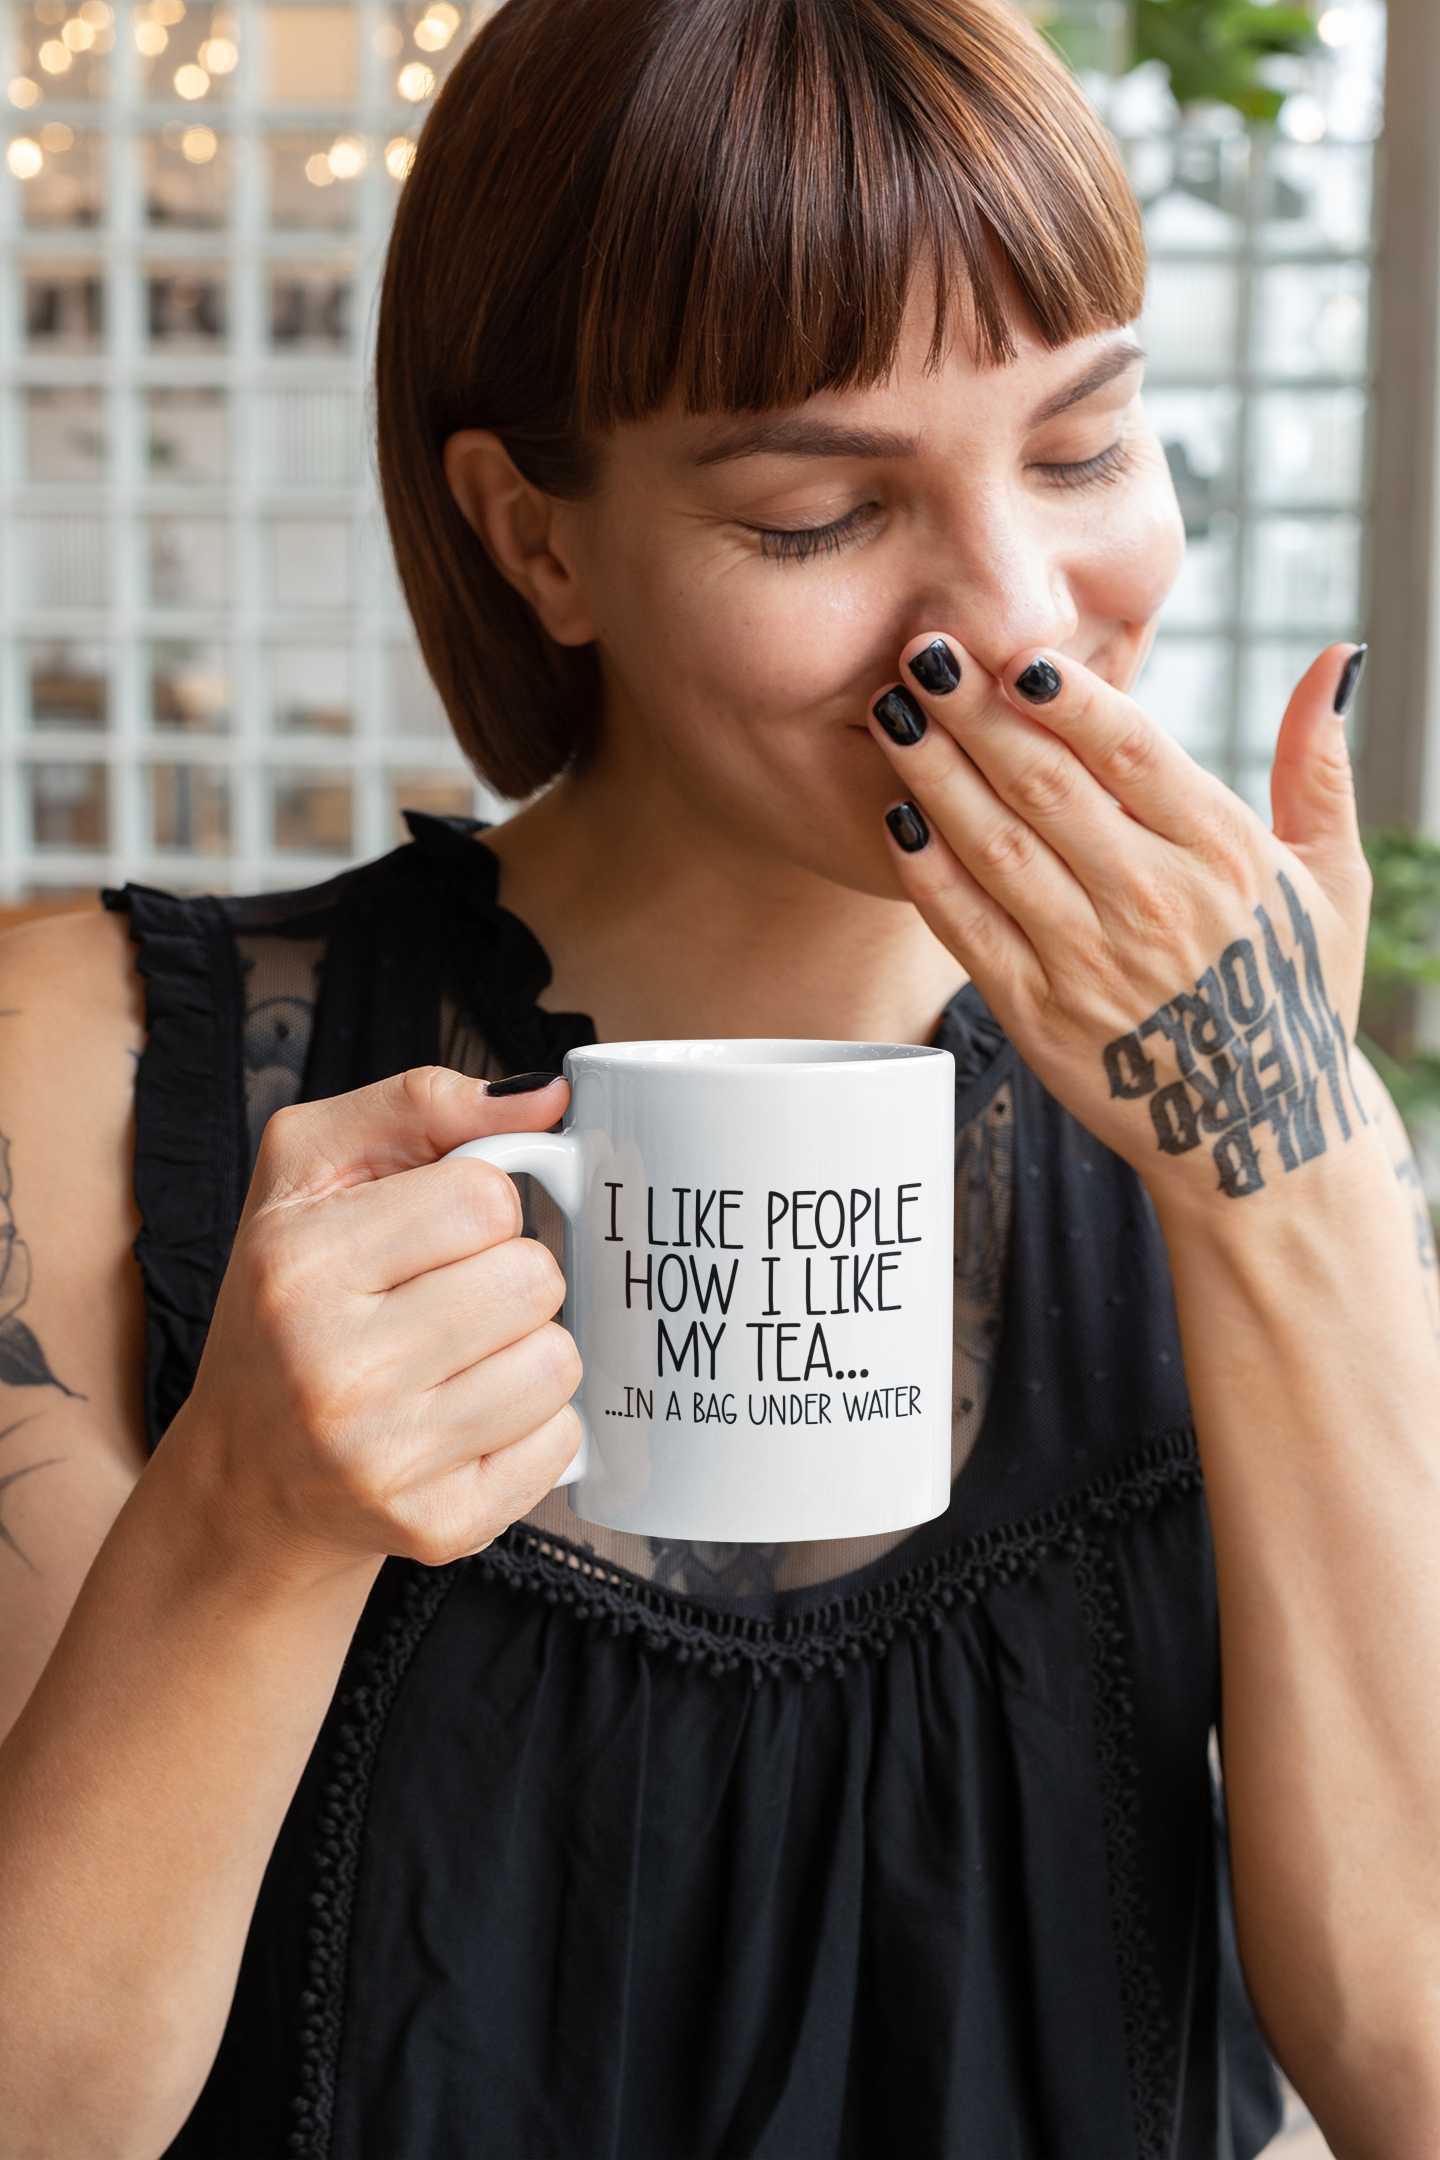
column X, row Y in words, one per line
column 1254, row 1049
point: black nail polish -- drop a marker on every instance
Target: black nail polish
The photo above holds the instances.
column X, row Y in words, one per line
column 1040, row 682
column 936, row 669
column 1349, row 681
column 900, row 716
column 522, row 1083
column 909, row 828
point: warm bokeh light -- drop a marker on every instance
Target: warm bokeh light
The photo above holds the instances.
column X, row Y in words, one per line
column 413, row 82
column 1335, row 27
column 151, row 39
column 55, row 58
column 347, row 157
column 78, row 34
column 55, row 136
column 24, row 158
column 24, row 93
column 191, row 81
column 436, row 27
column 97, row 14
column 317, row 170
column 219, row 55
column 198, row 145
column 399, row 157
column 168, row 11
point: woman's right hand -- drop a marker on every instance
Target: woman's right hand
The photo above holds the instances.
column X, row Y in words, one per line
column 384, row 1372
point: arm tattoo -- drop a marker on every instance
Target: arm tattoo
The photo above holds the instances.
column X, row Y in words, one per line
column 13, row 1477
column 1260, row 1049
column 22, row 1361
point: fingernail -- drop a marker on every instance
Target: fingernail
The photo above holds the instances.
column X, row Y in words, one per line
column 1040, row 682
column 522, row 1083
column 1349, row 681
column 936, row 669
column 900, row 716
column 908, row 827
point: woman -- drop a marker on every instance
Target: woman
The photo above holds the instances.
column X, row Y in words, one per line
column 762, row 448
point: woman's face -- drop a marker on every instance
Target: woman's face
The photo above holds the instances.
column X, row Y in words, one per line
column 750, row 580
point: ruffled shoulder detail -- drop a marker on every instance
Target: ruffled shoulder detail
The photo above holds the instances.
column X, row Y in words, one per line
column 974, row 1037
column 190, row 1145
column 500, row 966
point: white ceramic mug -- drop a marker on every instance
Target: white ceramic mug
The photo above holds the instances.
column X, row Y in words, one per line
column 759, row 1279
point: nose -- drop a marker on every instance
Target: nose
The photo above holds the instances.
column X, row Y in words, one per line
column 998, row 582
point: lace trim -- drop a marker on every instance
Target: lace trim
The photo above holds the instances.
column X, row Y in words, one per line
column 833, row 1635
column 1149, row 2044
column 342, row 1826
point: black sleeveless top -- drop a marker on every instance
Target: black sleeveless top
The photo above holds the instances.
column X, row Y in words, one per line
column 613, row 1850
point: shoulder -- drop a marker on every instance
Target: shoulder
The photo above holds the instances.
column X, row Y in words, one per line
column 81, row 964
column 73, row 1025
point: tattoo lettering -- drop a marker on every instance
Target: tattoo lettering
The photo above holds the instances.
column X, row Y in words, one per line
column 22, row 1361
column 1262, row 1058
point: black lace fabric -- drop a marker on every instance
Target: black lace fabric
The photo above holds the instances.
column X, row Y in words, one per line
column 954, row 1787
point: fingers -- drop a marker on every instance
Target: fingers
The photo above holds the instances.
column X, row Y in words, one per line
column 1312, row 789
column 372, row 1238
column 398, row 1124
column 988, row 942
column 1001, row 849
column 1119, row 746
column 442, row 1323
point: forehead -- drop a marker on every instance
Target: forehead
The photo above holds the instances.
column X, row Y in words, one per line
column 888, row 419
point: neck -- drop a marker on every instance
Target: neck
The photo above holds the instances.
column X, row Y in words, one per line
column 658, row 926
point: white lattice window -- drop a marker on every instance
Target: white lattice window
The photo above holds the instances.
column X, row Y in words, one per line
column 207, row 678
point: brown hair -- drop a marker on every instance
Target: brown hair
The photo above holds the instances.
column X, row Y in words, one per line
column 615, row 201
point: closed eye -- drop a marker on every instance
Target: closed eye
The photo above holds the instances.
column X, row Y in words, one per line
column 801, row 543
column 1102, row 471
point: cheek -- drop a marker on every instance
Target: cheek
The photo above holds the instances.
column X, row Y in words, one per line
column 753, row 641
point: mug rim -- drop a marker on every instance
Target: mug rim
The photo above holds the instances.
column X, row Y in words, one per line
column 696, row 1054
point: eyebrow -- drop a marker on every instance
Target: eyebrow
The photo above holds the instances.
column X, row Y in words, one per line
column 1114, row 362
column 795, row 435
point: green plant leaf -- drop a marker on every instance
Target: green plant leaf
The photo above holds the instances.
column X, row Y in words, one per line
column 1212, row 48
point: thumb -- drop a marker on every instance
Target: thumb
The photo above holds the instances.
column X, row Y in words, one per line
column 397, row 1124
column 1312, row 788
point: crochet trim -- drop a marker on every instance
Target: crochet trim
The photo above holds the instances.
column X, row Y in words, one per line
column 1149, row 2043
column 834, row 1635
column 342, row 1828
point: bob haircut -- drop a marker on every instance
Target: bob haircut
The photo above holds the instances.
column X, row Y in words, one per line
column 619, row 202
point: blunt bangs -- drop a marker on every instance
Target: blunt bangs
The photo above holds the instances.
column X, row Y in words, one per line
column 728, row 202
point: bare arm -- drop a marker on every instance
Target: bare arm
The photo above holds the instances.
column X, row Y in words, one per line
column 382, row 1376
column 71, row 1319
column 1187, row 982
column 1311, row 1354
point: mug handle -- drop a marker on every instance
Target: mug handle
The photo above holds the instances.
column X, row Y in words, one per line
column 556, row 1160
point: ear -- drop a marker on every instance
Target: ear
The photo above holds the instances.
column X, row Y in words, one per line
column 518, row 526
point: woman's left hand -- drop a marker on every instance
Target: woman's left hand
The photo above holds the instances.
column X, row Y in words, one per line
column 1186, row 982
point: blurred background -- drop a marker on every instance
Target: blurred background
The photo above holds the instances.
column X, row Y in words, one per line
column 207, row 678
